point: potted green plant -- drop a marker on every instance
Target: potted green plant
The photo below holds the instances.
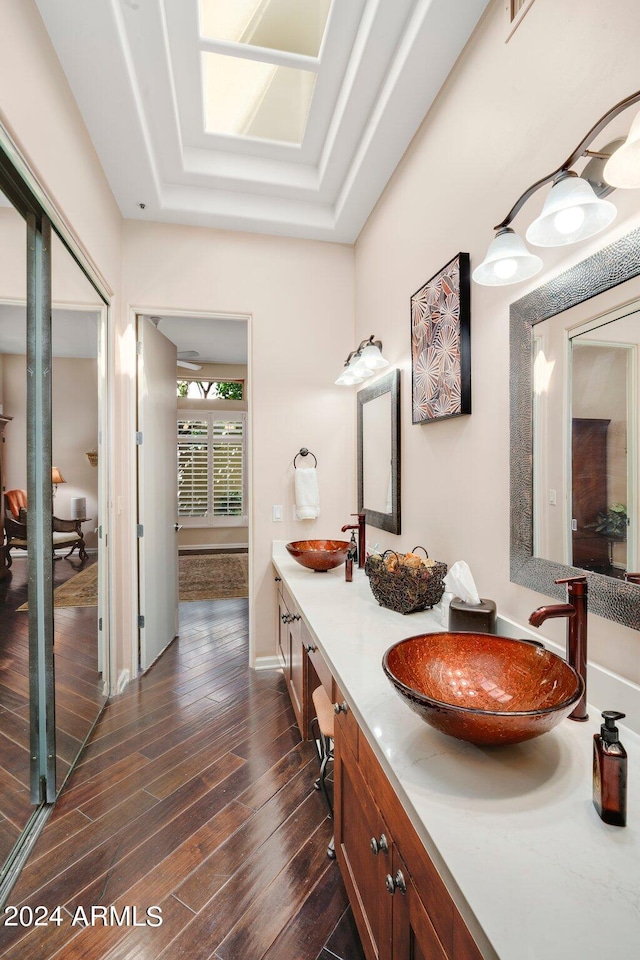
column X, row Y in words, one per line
column 613, row 523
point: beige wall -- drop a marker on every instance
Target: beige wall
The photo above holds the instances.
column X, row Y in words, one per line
column 508, row 114
column 299, row 296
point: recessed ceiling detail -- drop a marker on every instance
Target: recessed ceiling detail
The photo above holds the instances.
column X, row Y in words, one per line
column 301, row 145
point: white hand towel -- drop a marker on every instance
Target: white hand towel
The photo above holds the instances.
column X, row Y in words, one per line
column 307, row 493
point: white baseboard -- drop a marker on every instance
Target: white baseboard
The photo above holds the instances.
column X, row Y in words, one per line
column 267, row 663
column 123, row 681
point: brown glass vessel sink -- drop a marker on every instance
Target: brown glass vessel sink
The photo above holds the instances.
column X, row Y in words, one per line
column 482, row 688
column 319, row 555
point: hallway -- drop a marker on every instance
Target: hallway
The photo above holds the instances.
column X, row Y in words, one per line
column 194, row 795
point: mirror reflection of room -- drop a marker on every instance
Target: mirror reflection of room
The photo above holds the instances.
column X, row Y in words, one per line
column 78, row 666
column 15, row 804
column 376, row 453
column 586, row 451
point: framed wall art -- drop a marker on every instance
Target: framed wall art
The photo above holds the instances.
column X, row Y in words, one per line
column 441, row 344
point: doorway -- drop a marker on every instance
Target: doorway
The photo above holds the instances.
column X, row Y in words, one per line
column 202, row 525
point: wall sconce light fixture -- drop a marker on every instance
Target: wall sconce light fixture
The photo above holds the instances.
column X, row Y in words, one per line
column 92, row 457
column 575, row 207
column 362, row 363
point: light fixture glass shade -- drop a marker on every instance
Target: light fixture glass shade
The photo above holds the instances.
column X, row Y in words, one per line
column 623, row 168
column 507, row 261
column 360, row 368
column 372, row 357
column 571, row 212
column 347, row 378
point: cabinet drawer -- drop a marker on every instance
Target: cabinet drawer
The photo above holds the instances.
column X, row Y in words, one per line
column 345, row 719
column 318, row 662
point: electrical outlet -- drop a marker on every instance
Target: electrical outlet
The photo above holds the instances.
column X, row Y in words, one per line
column 276, row 512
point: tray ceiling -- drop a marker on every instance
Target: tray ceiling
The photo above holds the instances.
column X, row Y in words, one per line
column 272, row 116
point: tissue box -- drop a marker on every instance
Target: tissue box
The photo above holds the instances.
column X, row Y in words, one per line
column 472, row 617
column 401, row 587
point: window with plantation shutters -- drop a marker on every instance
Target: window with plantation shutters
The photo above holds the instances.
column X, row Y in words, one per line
column 211, row 468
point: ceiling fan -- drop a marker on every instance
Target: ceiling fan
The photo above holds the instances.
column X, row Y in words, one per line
column 185, row 357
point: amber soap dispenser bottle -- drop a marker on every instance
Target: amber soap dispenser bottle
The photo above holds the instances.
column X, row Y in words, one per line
column 610, row 771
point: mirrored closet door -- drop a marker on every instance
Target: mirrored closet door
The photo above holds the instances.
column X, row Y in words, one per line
column 53, row 570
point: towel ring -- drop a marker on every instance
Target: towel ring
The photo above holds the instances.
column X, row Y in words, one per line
column 303, row 452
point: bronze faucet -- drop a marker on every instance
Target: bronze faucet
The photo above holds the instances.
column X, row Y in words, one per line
column 360, row 527
column 575, row 610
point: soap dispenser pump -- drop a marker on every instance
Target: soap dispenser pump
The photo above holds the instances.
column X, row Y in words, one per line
column 610, row 772
column 352, row 553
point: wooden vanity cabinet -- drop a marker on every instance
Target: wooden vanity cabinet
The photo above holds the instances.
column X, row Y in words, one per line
column 291, row 654
column 401, row 906
column 364, row 848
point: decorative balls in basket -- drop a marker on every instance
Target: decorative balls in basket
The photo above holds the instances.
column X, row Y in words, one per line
column 404, row 582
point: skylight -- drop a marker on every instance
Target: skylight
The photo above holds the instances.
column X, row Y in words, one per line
column 249, row 98
column 295, row 26
column 261, row 96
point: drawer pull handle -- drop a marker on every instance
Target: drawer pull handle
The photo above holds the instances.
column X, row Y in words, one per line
column 278, row 579
column 395, row 883
column 378, row 845
column 340, row 707
column 311, row 648
column 296, row 616
column 285, row 617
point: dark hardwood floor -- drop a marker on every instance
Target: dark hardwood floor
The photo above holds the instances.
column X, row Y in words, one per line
column 78, row 690
column 194, row 795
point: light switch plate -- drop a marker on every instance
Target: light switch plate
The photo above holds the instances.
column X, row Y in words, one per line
column 276, row 512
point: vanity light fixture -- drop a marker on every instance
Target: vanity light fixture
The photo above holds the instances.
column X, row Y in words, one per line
column 362, row 363
column 573, row 210
column 622, row 170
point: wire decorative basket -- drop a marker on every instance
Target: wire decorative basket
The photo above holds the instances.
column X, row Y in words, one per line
column 404, row 587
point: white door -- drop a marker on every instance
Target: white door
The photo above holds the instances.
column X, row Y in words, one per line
column 157, row 492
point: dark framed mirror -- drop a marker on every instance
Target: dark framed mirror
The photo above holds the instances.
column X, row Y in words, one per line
column 612, row 598
column 379, row 452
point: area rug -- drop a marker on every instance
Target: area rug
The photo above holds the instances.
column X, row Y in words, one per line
column 79, row 591
column 213, row 576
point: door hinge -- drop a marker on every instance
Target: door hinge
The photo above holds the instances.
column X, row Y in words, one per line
column 99, row 623
column 139, row 438
column 139, row 530
column 139, row 347
column 140, row 622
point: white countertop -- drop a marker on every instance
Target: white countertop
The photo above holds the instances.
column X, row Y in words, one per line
column 534, row 871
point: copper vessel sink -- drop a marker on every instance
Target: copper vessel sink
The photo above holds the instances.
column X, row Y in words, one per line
column 319, row 555
column 482, row 688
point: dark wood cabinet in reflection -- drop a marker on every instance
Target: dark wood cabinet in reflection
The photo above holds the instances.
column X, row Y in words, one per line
column 589, row 492
column 3, row 560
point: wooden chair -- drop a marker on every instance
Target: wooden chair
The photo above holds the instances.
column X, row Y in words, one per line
column 65, row 533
